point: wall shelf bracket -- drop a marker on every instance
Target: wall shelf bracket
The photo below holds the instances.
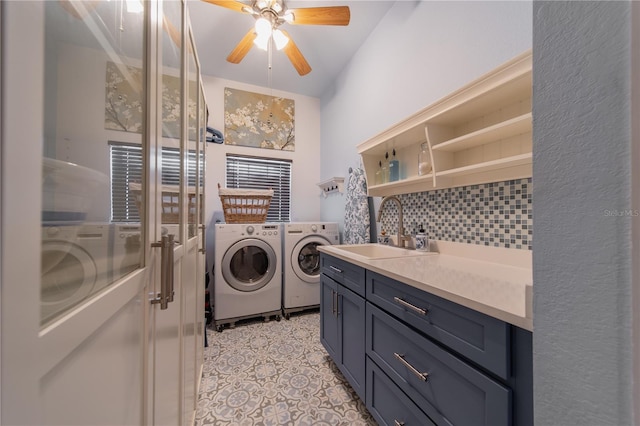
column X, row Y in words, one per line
column 329, row 186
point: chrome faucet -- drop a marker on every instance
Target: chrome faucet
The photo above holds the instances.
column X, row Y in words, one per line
column 402, row 239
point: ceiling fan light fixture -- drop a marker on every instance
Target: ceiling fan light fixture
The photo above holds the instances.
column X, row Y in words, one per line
column 263, row 27
column 262, row 4
column 262, row 41
column 280, row 39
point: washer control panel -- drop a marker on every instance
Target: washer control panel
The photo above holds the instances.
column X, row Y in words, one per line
column 262, row 230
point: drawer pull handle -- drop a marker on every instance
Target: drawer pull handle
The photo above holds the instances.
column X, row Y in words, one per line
column 335, row 269
column 422, row 376
column 410, row 306
column 397, row 423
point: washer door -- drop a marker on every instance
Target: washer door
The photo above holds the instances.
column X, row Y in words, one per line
column 68, row 276
column 249, row 264
column 305, row 258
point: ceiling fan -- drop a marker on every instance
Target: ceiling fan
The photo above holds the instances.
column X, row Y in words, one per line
column 269, row 16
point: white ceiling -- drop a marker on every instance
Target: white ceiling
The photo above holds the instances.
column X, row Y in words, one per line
column 327, row 48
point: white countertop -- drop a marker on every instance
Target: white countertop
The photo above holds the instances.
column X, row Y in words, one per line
column 495, row 281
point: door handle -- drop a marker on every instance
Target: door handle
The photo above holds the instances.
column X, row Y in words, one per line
column 170, row 265
column 166, row 272
column 333, row 302
column 421, row 376
column 410, row 306
column 203, row 249
column 335, row 269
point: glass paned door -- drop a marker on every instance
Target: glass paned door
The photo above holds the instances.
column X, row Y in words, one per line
column 94, row 95
column 165, row 353
column 73, row 80
column 192, row 139
column 172, row 119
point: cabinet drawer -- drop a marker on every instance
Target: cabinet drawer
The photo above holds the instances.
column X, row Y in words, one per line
column 388, row 404
column 345, row 273
column 446, row 388
column 476, row 336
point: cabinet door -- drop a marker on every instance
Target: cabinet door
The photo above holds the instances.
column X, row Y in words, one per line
column 447, row 388
column 73, row 299
column 328, row 316
column 351, row 337
column 194, row 284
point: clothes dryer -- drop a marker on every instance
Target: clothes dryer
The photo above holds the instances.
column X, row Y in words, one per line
column 301, row 282
column 248, row 272
column 74, row 266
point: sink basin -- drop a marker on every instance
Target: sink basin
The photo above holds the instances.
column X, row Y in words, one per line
column 379, row 251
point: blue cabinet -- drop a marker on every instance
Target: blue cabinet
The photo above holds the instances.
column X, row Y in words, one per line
column 445, row 387
column 347, row 274
column 342, row 331
column 418, row 359
column 388, row 404
column 479, row 337
column 328, row 317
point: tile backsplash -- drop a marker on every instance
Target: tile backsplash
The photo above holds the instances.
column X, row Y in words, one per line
column 494, row 214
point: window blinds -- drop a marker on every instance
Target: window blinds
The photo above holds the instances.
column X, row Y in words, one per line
column 263, row 173
column 126, row 167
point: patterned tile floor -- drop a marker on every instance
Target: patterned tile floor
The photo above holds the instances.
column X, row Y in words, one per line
column 275, row 373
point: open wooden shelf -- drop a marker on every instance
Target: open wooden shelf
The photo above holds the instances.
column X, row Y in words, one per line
column 516, row 160
column 503, row 130
column 480, row 133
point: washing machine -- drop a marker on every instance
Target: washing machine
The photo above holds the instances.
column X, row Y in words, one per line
column 126, row 249
column 75, row 265
column 301, row 275
column 248, row 272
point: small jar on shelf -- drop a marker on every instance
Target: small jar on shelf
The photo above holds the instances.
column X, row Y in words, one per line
column 385, row 168
column 424, row 160
column 394, row 168
column 378, row 178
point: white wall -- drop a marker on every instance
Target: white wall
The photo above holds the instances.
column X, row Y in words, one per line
column 305, row 195
column 420, row 52
column 583, row 214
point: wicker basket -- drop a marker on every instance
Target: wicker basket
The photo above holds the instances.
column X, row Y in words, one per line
column 170, row 202
column 245, row 205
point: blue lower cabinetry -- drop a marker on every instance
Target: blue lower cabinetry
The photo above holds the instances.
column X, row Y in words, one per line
column 328, row 316
column 388, row 404
column 342, row 330
column 448, row 389
column 417, row 359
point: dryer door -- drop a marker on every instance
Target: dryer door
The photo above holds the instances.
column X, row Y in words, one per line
column 305, row 258
column 249, row 264
column 68, row 276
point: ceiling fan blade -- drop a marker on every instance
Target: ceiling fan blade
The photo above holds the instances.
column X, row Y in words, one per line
column 295, row 56
column 329, row 15
column 231, row 4
column 242, row 48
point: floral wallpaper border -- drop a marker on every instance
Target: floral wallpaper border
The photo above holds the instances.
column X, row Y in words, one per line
column 259, row 121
